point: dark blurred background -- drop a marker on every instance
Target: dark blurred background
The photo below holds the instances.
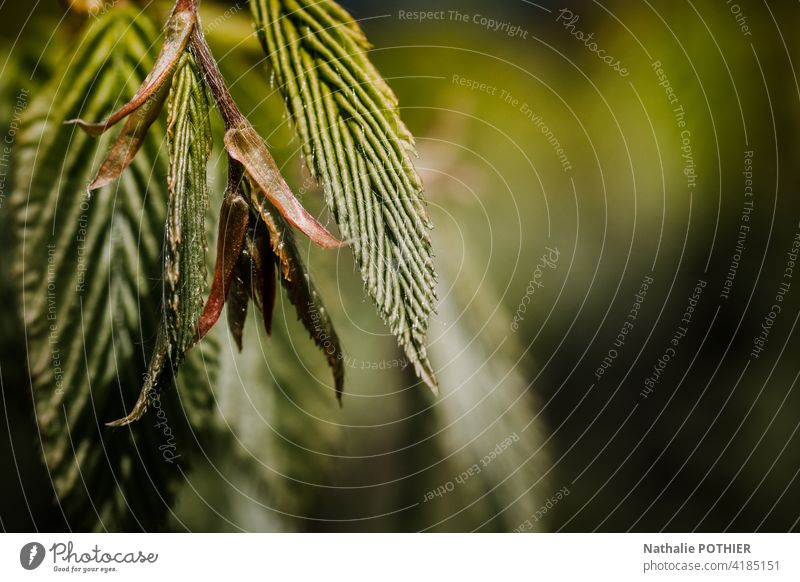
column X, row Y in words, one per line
column 530, row 146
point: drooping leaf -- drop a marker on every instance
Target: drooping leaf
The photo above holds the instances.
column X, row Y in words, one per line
column 184, row 272
column 233, row 221
column 261, row 271
column 87, row 271
column 189, row 132
column 179, row 27
column 299, row 287
column 247, row 147
column 130, row 139
column 355, row 143
column 238, row 299
column 254, row 279
column 145, row 106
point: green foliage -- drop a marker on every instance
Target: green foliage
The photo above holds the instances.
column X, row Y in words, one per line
column 184, row 271
column 85, row 266
column 91, row 243
column 189, row 130
column 355, row 143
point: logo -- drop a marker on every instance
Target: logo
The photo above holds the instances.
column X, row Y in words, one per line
column 31, row 555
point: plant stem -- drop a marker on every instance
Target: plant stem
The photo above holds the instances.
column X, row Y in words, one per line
column 231, row 116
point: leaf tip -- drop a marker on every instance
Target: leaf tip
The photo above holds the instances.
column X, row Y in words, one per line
column 138, row 412
column 338, row 376
column 93, row 129
column 426, row 374
column 99, row 182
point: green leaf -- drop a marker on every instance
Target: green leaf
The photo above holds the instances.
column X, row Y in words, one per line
column 356, row 144
column 184, row 273
column 88, row 273
column 189, row 132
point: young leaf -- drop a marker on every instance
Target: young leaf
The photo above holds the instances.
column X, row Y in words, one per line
column 84, row 267
column 261, row 270
column 299, row 287
column 179, row 27
column 254, row 279
column 148, row 101
column 189, row 135
column 246, row 146
column 233, row 221
column 356, row 144
column 130, row 139
column 238, row 298
column 248, row 149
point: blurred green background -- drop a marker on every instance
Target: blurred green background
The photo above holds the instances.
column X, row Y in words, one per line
column 557, row 445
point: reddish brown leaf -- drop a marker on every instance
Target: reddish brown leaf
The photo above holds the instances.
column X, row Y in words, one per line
column 233, row 222
column 179, row 27
column 303, row 293
column 254, row 279
column 238, row 298
column 263, row 286
column 246, row 146
column 276, row 242
column 130, row 139
column 268, row 291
